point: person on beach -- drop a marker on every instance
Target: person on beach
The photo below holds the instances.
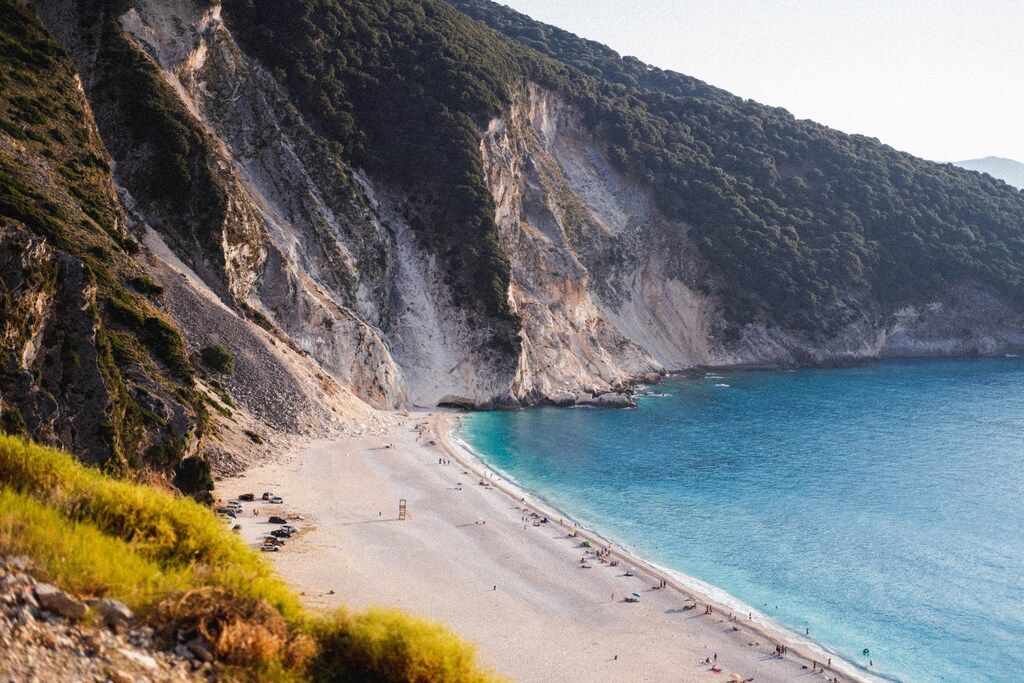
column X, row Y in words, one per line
column 716, row 659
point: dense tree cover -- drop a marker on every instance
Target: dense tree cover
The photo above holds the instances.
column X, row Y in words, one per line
column 796, row 220
column 403, row 88
column 164, row 157
column 793, row 216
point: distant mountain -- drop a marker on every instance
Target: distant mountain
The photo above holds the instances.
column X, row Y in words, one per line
column 1005, row 169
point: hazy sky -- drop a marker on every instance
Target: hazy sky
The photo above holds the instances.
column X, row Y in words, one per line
column 939, row 78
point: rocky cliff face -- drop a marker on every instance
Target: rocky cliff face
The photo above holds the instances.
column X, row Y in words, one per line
column 264, row 238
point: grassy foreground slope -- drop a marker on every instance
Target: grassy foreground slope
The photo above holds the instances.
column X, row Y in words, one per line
column 178, row 567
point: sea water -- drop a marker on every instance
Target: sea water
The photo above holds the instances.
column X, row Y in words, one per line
column 877, row 508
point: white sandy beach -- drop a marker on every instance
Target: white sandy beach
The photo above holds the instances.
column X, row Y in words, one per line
column 465, row 558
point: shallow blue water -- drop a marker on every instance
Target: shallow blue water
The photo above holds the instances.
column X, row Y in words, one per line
column 881, row 507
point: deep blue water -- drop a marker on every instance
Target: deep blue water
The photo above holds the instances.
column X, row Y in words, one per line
column 882, row 507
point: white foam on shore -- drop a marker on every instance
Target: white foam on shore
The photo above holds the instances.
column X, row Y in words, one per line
column 709, row 592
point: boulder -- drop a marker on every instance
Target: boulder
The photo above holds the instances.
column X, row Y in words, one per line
column 113, row 612
column 57, row 601
column 608, row 400
column 565, row 398
column 197, row 646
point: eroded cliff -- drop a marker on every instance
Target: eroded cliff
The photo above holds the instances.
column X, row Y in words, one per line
column 260, row 231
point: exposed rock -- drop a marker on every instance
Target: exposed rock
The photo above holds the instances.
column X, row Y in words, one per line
column 607, row 400
column 51, row 648
column 52, row 598
column 113, row 612
column 318, row 286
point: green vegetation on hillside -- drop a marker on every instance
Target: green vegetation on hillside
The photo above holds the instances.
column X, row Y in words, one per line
column 64, row 239
column 801, row 225
column 403, row 89
column 218, row 359
column 795, row 218
column 174, row 563
column 143, row 121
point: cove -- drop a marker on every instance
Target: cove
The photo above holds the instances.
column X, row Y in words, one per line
column 878, row 507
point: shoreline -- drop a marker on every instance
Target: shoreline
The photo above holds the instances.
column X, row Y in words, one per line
column 445, row 430
column 547, row 617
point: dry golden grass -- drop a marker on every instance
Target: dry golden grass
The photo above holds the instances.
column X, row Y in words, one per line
column 173, row 561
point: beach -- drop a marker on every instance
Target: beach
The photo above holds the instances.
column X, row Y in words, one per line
column 470, row 556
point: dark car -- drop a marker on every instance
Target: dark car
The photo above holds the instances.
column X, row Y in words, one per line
column 247, row 497
column 281, row 533
column 274, row 519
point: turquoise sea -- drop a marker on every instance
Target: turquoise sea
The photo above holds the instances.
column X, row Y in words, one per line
column 880, row 507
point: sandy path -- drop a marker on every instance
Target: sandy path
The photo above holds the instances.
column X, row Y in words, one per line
column 516, row 590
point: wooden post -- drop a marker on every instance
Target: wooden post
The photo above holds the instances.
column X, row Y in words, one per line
column 401, row 509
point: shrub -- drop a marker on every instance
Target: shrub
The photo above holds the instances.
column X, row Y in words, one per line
column 194, row 478
column 239, row 629
column 12, row 422
column 253, row 436
column 174, row 532
column 145, row 285
column 389, row 645
column 218, row 359
column 81, row 558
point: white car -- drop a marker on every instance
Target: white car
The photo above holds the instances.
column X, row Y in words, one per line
column 276, row 500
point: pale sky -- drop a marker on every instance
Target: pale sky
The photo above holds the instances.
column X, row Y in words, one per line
column 941, row 79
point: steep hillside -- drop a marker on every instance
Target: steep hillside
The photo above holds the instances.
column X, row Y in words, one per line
column 89, row 361
column 413, row 202
column 805, row 226
column 1008, row 170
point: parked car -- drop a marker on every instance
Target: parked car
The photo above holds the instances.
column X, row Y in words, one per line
column 280, row 533
column 273, row 540
column 277, row 500
column 226, row 511
column 267, row 548
column 274, row 519
column 267, row 495
column 247, row 497
column 289, row 528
